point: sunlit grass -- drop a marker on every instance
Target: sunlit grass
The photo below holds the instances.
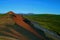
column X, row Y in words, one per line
column 51, row 22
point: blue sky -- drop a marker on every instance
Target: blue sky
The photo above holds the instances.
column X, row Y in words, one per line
column 30, row 6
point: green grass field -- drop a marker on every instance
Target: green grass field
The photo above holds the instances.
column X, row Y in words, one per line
column 49, row 21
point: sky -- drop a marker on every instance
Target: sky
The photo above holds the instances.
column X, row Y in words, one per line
column 30, row 6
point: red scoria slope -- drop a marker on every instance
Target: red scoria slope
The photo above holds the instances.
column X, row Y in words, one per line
column 19, row 20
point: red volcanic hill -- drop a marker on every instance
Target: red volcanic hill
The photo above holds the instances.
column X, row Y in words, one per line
column 16, row 26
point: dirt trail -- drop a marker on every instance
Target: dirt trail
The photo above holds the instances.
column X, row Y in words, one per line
column 19, row 20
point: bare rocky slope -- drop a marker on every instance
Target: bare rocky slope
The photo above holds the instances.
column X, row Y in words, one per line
column 16, row 27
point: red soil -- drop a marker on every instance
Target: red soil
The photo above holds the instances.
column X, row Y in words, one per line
column 19, row 20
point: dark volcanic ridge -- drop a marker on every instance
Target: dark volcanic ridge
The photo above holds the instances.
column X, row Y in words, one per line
column 16, row 26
